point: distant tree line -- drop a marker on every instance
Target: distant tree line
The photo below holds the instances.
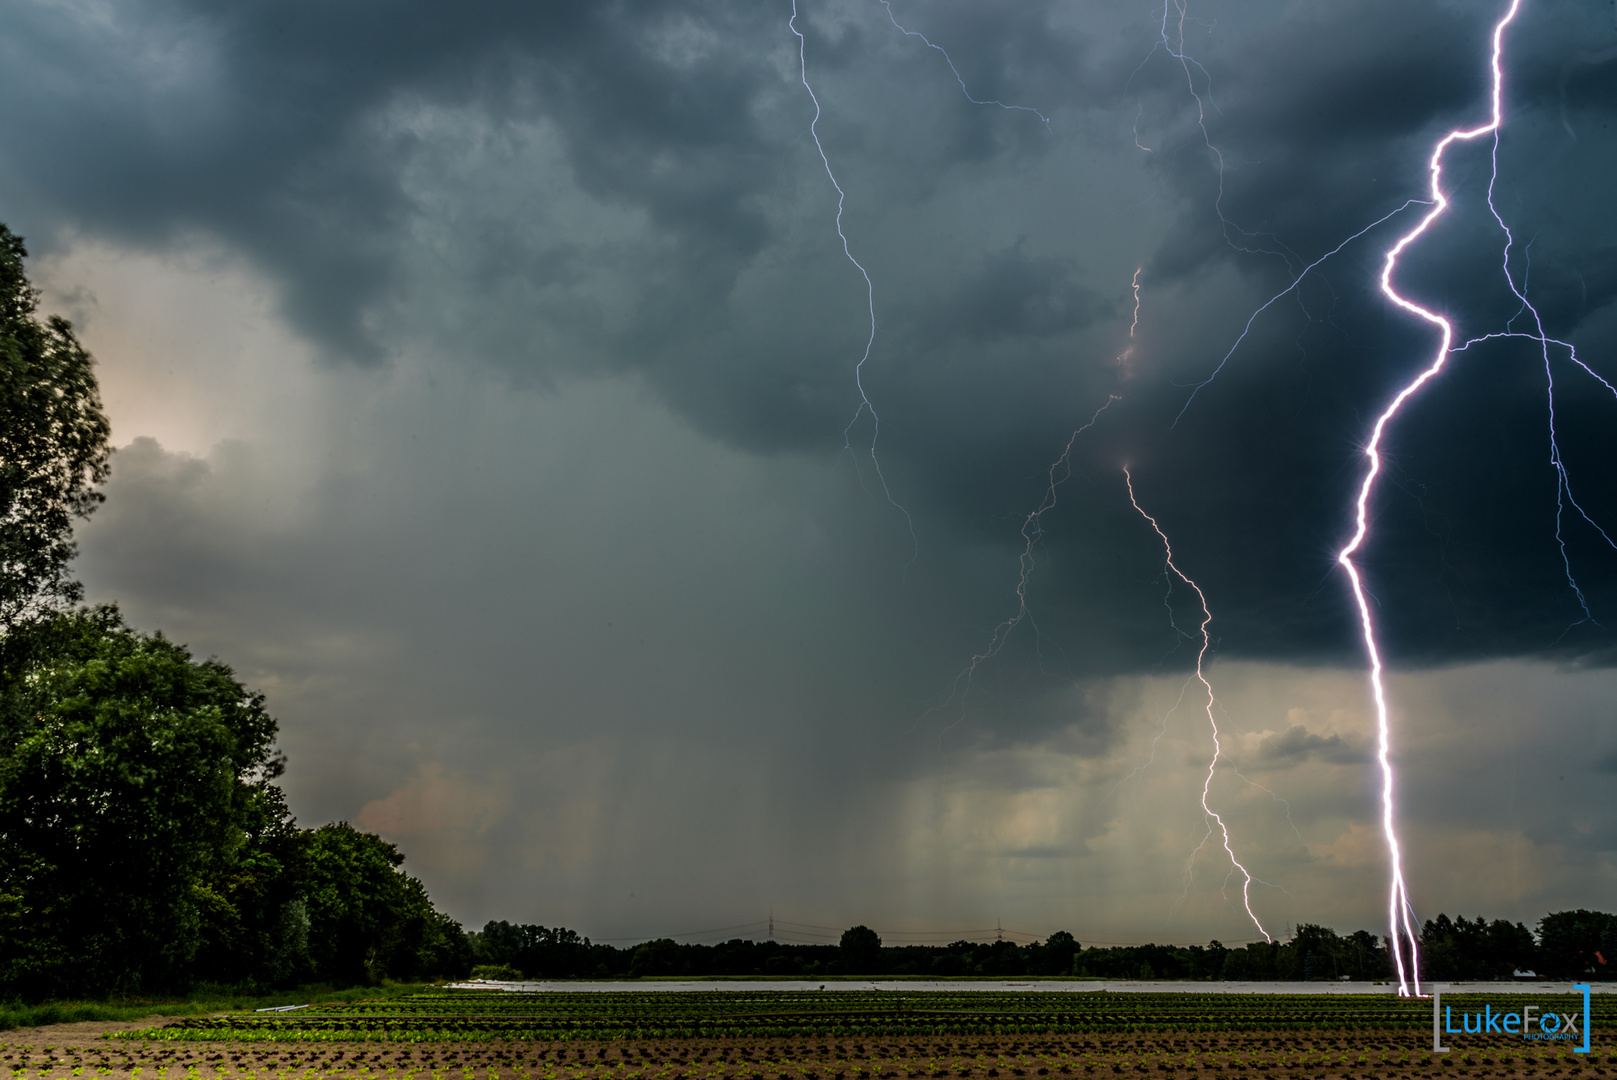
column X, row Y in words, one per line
column 1569, row 945
column 146, row 847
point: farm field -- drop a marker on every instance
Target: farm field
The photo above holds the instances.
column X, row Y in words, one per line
column 799, row 1036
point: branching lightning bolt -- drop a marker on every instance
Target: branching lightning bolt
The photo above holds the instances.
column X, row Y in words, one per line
column 1032, row 533
column 1186, row 62
column 1563, row 482
column 957, row 76
column 1210, row 815
column 1161, row 731
column 1400, row 911
column 870, row 296
column 1563, row 492
column 1282, row 294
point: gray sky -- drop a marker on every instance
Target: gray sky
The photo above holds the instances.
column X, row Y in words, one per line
column 484, row 380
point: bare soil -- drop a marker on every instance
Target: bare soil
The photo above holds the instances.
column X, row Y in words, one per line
column 83, row 1050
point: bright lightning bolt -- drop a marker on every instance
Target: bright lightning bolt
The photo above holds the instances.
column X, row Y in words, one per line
column 870, row 295
column 1400, row 911
column 957, row 76
column 1209, row 813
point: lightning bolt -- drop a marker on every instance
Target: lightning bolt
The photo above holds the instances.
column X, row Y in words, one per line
column 1137, row 113
column 1032, row 532
column 1135, row 284
column 1282, row 294
column 865, row 404
column 1209, row 814
column 957, row 77
column 1186, row 62
column 1563, row 489
column 1563, row 482
column 1400, row 911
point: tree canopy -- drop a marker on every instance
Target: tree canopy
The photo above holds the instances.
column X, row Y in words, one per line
column 128, row 773
column 144, row 844
column 53, row 445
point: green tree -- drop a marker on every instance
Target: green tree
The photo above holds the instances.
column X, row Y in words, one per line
column 1058, row 953
column 127, row 774
column 659, row 957
column 860, row 951
column 368, row 919
column 1317, row 952
column 53, row 446
column 261, row 934
column 1570, row 944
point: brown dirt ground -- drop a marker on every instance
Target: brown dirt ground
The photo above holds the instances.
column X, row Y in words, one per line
column 82, row 1050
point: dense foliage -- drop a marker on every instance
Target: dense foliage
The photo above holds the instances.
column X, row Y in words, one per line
column 144, row 845
column 1577, row 945
column 53, row 445
column 126, row 776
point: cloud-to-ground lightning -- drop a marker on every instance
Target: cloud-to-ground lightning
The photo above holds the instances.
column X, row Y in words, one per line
column 1399, row 909
column 870, row 295
column 957, row 76
column 1210, row 815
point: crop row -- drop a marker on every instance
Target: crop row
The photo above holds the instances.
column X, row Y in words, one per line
column 481, row 1016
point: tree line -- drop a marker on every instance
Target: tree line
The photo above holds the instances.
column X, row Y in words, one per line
column 145, row 845
column 1568, row 945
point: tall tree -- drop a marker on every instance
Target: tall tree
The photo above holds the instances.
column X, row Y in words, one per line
column 368, row 919
column 861, row 951
column 129, row 774
column 53, row 445
column 1575, row 944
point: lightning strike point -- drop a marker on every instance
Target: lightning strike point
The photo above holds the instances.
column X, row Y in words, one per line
column 1400, row 912
column 1210, row 815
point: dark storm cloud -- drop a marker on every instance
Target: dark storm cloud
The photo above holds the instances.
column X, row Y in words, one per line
column 1012, row 295
column 1324, row 124
column 259, row 123
column 549, row 190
